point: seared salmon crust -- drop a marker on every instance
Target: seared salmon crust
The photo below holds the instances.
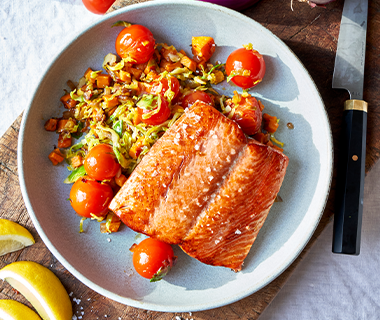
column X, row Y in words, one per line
column 205, row 186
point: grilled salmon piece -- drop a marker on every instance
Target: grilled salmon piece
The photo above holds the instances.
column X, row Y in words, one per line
column 205, row 186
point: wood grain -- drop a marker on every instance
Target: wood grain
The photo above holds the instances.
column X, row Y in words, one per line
column 312, row 34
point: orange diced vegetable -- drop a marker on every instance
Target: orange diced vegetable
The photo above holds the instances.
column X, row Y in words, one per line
column 56, row 156
column 68, row 102
column 261, row 137
column 151, row 66
column 103, row 80
column 261, row 105
column 76, row 161
column 87, row 75
column 65, row 125
column 270, row 123
column 112, row 224
column 120, row 180
column 125, row 76
column 110, row 100
column 189, row 63
column 169, row 66
column 136, row 148
column 111, row 111
column 137, row 118
column 51, row 124
column 64, row 140
column 203, row 47
column 136, row 72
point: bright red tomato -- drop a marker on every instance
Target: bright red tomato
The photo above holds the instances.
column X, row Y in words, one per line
column 101, row 162
column 162, row 86
column 88, row 197
column 248, row 65
column 153, row 259
column 98, row 6
column 135, row 44
column 248, row 115
column 154, row 109
column 193, row 96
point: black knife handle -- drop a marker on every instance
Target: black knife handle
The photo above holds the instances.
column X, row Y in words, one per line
column 350, row 180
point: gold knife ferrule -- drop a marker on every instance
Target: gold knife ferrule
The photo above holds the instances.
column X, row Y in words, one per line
column 360, row 105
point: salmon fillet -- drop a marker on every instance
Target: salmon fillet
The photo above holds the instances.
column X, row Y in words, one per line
column 204, row 186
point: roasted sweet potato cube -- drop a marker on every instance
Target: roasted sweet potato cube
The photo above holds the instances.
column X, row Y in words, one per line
column 189, row 63
column 51, row 124
column 56, row 156
column 103, row 80
column 203, row 47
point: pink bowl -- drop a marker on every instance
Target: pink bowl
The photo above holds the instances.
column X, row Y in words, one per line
column 233, row 4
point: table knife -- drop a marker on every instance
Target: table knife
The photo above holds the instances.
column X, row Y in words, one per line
column 349, row 75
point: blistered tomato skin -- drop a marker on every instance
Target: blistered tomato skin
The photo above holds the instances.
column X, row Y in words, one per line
column 162, row 86
column 156, row 118
column 98, row 6
column 248, row 115
column 248, row 65
column 153, row 259
column 101, row 162
column 135, row 44
column 88, row 197
column 193, row 96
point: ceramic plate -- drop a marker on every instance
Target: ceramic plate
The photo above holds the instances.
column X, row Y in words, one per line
column 102, row 261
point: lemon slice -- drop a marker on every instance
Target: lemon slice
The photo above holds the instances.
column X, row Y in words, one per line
column 13, row 310
column 13, row 237
column 41, row 287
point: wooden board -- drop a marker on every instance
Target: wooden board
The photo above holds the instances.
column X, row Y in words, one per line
column 312, row 34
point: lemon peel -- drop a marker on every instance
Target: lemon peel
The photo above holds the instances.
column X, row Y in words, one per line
column 41, row 287
column 13, row 237
column 14, row 310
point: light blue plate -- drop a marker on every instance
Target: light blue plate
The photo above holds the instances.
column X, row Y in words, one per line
column 103, row 262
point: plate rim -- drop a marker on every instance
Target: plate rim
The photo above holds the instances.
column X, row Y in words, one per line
column 71, row 268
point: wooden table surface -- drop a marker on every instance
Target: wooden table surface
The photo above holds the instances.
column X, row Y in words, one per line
column 312, row 34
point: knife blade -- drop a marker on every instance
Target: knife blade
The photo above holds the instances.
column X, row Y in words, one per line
column 349, row 75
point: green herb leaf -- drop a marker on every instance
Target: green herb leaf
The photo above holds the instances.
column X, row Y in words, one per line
column 79, row 132
column 75, row 175
column 118, row 127
column 121, row 23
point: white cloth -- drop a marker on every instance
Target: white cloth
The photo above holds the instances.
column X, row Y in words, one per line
column 324, row 286
column 330, row 286
column 32, row 32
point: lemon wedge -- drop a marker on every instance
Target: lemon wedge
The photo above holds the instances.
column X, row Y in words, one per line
column 41, row 287
column 13, row 237
column 13, row 310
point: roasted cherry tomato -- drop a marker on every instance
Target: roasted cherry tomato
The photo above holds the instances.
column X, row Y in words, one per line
column 154, row 109
column 153, row 259
column 245, row 68
column 193, row 96
column 135, row 44
column 101, row 162
column 162, row 86
column 98, row 6
column 248, row 115
column 88, row 196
